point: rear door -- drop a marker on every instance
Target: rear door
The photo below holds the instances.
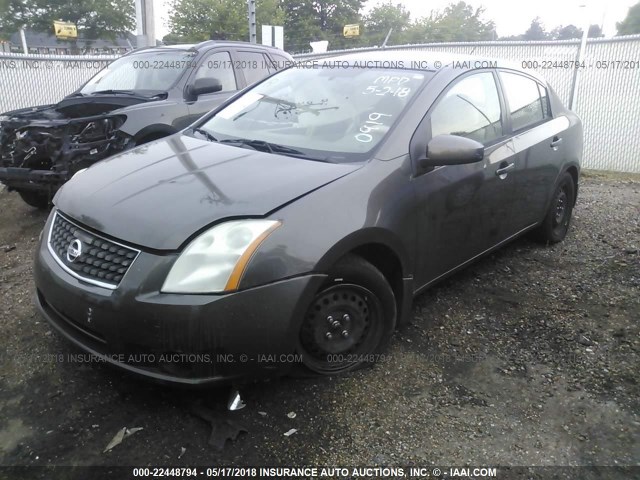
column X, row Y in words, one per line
column 538, row 144
column 252, row 66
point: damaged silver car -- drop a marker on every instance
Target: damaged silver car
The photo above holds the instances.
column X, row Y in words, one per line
column 143, row 96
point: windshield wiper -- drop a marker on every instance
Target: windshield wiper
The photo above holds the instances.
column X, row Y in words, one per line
column 268, row 147
column 146, row 94
column 262, row 145
column 124, row 92
column 206, row 134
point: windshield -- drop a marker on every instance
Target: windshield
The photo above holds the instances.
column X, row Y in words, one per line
column 333, row 114
column 141, row 71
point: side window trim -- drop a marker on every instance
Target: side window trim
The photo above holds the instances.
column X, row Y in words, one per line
column 506, row 100
column 459, row 79
column 237, row 61
column 415, row 145
column 542, row 88
column 201, row 60
column 504, row 106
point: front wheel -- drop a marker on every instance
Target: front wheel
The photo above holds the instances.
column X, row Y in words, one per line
column 350, row 320
column 35, row 199
column 556, row 222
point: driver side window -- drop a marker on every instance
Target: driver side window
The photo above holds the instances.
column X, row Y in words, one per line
column 218, row 65
column 471, row 108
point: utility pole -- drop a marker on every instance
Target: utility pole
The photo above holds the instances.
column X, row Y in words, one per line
column 23, row 39
column 386, row 39
column 573, row 101
column 251, row 5
column 145, row 28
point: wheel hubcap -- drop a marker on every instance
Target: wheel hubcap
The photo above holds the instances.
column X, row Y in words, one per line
column 337, row 320
column 561, row 207
column 341, row 322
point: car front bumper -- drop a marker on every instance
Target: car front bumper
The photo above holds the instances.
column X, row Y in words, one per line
column 173, row 338
column 26, row 179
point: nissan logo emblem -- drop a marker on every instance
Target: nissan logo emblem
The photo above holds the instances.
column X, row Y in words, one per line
column 74, row 250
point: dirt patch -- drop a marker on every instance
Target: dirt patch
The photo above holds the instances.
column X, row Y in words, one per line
column 528, row 357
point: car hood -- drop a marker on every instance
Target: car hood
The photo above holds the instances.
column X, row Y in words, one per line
column 160, row 194
column 78, row 107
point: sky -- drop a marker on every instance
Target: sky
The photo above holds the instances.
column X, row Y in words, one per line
column 511, row 17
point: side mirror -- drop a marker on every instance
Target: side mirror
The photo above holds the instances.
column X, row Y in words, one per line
column 452, row 150
column 204, row 85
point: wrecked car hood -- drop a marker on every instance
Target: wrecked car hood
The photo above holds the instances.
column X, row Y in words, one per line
column 78, row 106
column 161, row 193
column 51, row 142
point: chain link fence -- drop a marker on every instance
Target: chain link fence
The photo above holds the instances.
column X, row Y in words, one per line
column 31, row 80
column 608, row 86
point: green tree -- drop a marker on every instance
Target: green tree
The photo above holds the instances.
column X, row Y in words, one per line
column 566, row 33
column 535, row 31
column 95, row 19
column 572, row 32
column 458, row 22
column 312, row 20
column 595, row 31
column 384, row 17
column 199, row 20
column 631, row 24
column 4, row 14
column 173, row 39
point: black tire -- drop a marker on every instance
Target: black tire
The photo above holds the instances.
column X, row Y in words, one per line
column 350, row 320
column 35, row 199
column 556, row 222
column 150, row 138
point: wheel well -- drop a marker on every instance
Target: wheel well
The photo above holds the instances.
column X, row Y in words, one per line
column 150, row 137
column 573, row 171
column 385, row 260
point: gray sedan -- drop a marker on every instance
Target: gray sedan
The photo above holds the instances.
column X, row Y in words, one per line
column 292, row 226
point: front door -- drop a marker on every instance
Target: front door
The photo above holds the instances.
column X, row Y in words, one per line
column 214, row 65
column 466, row 209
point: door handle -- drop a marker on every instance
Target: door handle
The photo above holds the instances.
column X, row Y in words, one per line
column 556, row 141
column 504, row 170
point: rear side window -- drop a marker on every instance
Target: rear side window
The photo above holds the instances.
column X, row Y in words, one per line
column 526, row 104
column 253, row 65
column 281, row 62
column 470, row 109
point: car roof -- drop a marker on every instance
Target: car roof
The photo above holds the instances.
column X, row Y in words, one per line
column 230, row 43
column 408, row 60
column 206, row 45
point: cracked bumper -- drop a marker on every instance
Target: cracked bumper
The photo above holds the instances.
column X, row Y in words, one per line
column 27, row 179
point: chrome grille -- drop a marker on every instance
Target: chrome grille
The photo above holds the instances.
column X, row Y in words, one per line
column 88, row 256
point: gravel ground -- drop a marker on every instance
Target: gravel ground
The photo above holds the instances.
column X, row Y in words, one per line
column 528, row 357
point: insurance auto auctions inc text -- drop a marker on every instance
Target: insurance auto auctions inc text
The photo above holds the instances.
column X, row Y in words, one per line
column 374, row 472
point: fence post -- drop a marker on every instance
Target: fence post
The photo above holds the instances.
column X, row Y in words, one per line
column 576, row 76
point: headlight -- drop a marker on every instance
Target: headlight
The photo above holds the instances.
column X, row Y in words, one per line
column 96, row 130
column 215, row 260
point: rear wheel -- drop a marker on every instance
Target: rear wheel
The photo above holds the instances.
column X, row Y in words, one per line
column 350, row 320
column 556, row 222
